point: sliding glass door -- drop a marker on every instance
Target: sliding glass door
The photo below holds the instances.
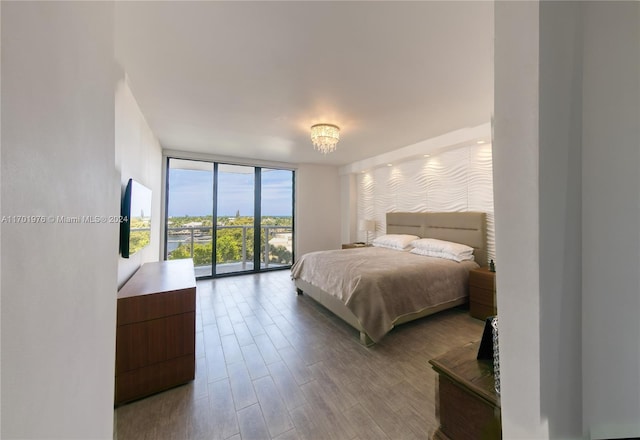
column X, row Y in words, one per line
column 189, row 226
column 235, row 218
column 253, row 212
column 276, row 220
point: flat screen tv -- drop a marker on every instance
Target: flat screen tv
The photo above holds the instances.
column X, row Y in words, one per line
column 135, row 228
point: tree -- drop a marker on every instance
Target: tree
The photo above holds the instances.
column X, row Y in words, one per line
column 228, row 249
column 280, row 254
column 229, row 239
column 181, row 252
column 202, row 254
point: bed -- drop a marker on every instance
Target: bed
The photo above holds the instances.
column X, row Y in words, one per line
column 373, row 289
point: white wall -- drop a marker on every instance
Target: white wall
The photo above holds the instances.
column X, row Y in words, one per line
column 58, row 280
column 560, row 128
column 0, row 227
column 611, row 219
column 566, row 172
column 138, row 156
column 454, row 180
column 516, row 200
column 348, row 208
column 318, row 201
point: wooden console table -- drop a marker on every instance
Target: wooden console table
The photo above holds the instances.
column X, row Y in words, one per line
column 155, row 335
column 469, row 407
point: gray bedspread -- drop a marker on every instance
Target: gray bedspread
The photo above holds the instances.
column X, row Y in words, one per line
column 380, row 285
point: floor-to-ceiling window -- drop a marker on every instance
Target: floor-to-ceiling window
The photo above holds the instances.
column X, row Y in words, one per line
column 242, row 215
column 276, row 209
column 235, row 218
column 189, row 224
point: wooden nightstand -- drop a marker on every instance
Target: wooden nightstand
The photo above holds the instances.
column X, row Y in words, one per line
column 354, row 245
column 482, row 297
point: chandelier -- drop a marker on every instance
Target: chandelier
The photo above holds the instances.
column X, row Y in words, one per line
column 325, row 137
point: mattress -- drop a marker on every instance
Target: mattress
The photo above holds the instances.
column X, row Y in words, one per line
column 380, row 286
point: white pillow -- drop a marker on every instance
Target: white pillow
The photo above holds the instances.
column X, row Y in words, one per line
column 461, row 251
column 441, row 254
column 395, row 241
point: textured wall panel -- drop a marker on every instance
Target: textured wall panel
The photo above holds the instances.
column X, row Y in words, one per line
column 457, row 180
column 481, row 188
column 447, row 177
column 412, row 195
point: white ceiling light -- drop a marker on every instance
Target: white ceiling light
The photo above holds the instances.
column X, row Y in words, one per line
column 325, row 137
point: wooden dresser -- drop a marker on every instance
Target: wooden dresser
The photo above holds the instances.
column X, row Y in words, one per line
column 466, row 401
column 482, row 293
column 155, row 335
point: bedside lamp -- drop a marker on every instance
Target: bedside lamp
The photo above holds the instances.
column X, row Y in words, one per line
column 368, row 226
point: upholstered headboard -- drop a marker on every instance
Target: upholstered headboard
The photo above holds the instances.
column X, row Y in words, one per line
column 468, row 228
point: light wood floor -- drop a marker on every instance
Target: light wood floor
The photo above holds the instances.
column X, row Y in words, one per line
column 274, row 365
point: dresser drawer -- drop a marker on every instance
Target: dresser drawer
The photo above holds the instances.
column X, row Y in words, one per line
column 150, row 342
column 463, row 415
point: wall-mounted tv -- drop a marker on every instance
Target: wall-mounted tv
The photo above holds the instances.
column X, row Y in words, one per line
column 135, row 228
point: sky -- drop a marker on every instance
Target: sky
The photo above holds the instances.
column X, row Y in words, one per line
column 191, row 193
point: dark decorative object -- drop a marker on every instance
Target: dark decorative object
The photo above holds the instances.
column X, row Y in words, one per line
column 496, row 354
column 492, row 266
column 485, row 352
column 489, row 349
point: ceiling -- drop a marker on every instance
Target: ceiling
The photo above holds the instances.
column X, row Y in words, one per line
column 248, row 79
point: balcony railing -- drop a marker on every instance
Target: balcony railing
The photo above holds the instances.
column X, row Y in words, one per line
column 194, row 235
